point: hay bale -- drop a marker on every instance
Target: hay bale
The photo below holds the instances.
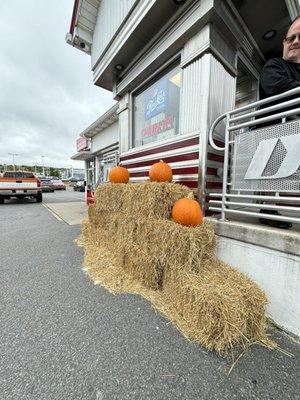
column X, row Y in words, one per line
column 148, row 199
column 218, row 308
column 131, row 245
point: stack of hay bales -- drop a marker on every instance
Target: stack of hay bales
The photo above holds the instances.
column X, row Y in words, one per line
column 132, row 245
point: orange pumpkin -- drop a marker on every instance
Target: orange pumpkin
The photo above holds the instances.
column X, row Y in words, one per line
column 187, row 212
column 118, row 175
column 160, row 172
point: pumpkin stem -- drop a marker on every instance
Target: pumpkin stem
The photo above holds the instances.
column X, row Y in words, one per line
column 161, row 161
column 190, row 196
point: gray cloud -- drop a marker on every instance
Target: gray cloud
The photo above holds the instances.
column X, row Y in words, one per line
column 46, row 92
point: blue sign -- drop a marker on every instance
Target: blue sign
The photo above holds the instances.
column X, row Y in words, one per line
column 155, row 99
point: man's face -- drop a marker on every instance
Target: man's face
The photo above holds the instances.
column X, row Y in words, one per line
column 291, row 48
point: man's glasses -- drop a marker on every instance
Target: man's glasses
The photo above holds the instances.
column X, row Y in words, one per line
column 291, row 39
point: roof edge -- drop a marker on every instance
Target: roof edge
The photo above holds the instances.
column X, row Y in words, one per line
column 109, row 117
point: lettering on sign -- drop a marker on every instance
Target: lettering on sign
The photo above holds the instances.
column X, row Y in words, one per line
column 155, row 99
column 159, row 127
column 263, row 153
column 81, row 144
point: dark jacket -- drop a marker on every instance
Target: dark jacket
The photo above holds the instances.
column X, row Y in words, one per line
column 278, row 76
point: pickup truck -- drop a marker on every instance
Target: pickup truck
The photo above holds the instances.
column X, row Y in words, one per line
column 20, row 184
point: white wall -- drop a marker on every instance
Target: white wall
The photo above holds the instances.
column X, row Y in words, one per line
column 277, row 273
column 105, row 138
column 111, row 13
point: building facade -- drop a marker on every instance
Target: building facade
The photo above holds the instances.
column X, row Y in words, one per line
column 175, row 68
column 98, row 147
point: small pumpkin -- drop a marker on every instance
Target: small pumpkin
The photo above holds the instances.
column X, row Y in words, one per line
column 118, row 175
column 160, row 172
column 187, row 211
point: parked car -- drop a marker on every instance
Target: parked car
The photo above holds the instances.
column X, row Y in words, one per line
column 46, row 184
column 58, row 184
column 79, row 186
column 20, row 184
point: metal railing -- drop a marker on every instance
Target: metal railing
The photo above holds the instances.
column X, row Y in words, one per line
column 261, row 160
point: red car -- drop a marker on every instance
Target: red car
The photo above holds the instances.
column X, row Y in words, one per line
column 58, row 184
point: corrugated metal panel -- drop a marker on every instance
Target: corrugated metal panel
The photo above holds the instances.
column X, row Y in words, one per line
column 191, row 98
column 221, row 99
column 222, row 94
column 110, row 16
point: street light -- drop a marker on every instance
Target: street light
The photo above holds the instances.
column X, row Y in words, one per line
column 43, row 165
column 13, row 156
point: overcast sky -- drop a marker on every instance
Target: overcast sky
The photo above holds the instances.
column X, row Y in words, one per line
column 47, row 96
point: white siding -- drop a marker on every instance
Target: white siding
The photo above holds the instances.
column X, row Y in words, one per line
column 105, row 138
column 111, row 14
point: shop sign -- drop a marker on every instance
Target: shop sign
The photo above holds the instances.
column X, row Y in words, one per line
column 162, row 126
column 267, row 159
column 81, row 144
column 263, row 154
column 156, row 99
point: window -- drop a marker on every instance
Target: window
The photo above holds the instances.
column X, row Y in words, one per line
column 156, row 109
column 18, row 175
column 246, row 86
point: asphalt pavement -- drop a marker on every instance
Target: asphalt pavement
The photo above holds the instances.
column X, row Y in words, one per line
column 62, row 337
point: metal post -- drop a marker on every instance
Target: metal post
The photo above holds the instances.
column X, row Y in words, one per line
column 13, row 156
column 43, row 165
column 225, row 172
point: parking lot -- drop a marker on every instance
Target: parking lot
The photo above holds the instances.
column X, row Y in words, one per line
column 62, row 196
column 62, row 337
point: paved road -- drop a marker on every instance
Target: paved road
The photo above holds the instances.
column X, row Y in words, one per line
column 62, row 196
column 64, row 338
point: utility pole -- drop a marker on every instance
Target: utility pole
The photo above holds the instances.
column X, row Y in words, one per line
column 13, row 156
column 43, row 165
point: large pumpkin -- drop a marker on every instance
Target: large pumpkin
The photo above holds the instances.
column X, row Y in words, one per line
column 160, row 172
column 118, row 175
column 187, row 212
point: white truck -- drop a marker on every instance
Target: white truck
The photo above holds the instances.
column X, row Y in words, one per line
column 20, row 184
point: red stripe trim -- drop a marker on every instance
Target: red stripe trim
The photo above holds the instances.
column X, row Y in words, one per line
column 179, row 171
column 211, row 171
column 213, row 185
column 215, row 157
column 181, row 157
column 190, row 184
column 74, row 14
column 219, row 142
column 167, row 147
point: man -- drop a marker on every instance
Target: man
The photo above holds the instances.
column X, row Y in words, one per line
column 279, row 75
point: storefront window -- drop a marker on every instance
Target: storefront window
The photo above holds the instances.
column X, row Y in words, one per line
column 156, row 109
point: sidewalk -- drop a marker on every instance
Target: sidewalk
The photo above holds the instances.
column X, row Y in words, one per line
column 71, row 212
